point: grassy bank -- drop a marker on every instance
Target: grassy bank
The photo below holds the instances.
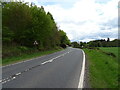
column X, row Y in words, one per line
column 26, row 56
column 103, row 68
column 113, row 50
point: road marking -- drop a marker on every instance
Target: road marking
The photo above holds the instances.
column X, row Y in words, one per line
column 45, row 62
column 18, row 73
column 21, row 62
column 81, row 80
column 25, row 61
column 12, row 77
column 51, row 60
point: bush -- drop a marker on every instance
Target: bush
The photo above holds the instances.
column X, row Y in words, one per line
column 7, row 35
column 12, row 51
column 63, row 45
column 23, row 48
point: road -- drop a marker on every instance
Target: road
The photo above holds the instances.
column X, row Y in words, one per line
column 58, row 70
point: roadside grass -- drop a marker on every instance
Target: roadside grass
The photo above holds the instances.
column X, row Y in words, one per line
column 110, row 49
column 23, row 57
column 103, row 69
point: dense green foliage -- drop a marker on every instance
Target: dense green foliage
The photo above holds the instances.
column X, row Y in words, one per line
column 28, row 26
column 103, row 68
column 75, row 45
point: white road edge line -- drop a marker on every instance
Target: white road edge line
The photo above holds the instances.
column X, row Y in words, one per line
column 81, row 80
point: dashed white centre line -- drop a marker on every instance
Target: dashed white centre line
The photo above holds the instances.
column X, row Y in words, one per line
column 51, row 60
column 19, row 73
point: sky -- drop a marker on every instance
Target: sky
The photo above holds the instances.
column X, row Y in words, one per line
column 84, row 20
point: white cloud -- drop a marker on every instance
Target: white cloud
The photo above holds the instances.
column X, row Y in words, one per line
column 85, row 20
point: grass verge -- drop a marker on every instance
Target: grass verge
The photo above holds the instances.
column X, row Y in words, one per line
column 103, row 69
column 24, row 56
column 110, row 49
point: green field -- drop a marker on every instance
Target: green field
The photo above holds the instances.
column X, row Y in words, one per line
column 103, row 68
column 110, row 49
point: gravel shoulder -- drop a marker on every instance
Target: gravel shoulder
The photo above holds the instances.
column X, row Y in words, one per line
column 87, row 77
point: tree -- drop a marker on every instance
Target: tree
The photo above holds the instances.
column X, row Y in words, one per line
column 108, row 39
column 75, row 45
column 63, row 37
column 16, row 16
column 24, row 24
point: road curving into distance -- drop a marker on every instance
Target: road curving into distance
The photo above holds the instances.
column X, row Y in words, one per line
column 64, row 69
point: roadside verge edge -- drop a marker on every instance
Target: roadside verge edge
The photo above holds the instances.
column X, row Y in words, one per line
column 81, row 80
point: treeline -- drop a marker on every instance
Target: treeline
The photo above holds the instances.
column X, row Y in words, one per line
column 23, row 24
column 27, row 26
column 104, row 43
column 97, row 43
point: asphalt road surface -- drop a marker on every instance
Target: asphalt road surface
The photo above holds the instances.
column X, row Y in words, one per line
column 58, row 70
